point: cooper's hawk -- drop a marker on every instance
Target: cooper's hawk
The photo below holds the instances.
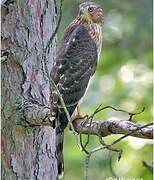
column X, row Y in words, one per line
column 74, row 65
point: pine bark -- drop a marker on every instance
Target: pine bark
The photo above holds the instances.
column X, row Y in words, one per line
column 28, row 152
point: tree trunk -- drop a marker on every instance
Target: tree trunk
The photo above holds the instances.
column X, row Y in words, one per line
column 28, row 152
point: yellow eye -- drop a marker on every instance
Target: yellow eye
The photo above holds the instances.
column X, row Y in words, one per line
column 91, row 9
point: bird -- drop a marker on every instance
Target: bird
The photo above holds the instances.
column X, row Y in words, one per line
column 75, row 64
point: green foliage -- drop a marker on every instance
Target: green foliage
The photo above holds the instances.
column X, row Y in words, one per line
column 123, row 79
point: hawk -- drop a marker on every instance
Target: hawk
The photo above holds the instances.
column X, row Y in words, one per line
column 75, row 64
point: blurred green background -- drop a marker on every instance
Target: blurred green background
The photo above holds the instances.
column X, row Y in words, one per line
column 123, row 80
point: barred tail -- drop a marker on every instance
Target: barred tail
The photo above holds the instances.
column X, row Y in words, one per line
column 61, row 123
column 59, row 151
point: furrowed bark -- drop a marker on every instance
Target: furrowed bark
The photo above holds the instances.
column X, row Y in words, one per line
column 27, row 153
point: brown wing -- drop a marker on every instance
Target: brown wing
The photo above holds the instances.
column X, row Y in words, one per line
column 74, row 65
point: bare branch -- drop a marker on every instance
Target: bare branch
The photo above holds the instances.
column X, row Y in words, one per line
column 97, row 110
column 40, row 114
column 138, row 129
column 109, row 127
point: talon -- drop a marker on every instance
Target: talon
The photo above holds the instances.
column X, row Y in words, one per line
column 78, row 114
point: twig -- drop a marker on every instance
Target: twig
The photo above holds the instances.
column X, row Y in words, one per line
column 57, row 27
column 87, row 160
column 148, row 165
column 109, row 147
column 97, row 110
column 83, row 146
column 111, row 167
column 133, row 131
column 90, row 118
column 131, row 114
column 119, row 151
column 119, row 139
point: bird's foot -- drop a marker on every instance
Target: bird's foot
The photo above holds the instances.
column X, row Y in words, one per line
column 78, row 116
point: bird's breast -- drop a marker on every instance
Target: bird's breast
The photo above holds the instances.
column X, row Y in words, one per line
column 95, row 31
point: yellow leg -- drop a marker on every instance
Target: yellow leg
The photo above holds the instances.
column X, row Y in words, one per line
column 78, row 114
column 78, row 111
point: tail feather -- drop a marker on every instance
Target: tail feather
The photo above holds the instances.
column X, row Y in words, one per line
column 61, row 123
column 59, row 149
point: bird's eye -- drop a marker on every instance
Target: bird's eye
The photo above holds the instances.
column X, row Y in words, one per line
column 91, row 9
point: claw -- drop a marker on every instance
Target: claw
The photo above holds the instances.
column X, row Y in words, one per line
column 78, row 115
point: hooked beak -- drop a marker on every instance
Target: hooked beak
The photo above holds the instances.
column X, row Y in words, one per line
column 84, row 15
column 82, row 11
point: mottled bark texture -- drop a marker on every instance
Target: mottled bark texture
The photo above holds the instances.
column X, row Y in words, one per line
column 109, row 127
column 27, row 152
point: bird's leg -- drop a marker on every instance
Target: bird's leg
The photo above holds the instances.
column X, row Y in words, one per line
column 78, row 114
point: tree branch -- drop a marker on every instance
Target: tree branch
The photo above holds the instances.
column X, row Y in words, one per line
column 109, row 127
column 39, row 115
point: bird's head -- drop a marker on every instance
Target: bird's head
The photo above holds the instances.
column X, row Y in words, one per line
column 91, row 12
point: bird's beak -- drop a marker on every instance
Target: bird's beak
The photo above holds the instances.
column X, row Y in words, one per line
column 82, row 11
column 84, row 15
